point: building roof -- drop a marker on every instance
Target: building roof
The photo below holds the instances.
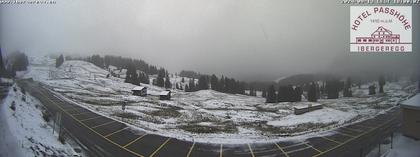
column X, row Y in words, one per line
column 164, row 92
column 139, row 88
column 412, row 103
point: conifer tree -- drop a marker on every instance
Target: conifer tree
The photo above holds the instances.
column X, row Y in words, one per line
column 160, row 78
column 168, row 82
column 214, row 82
column 222, row 84
column 2, row 67
column 312, row 93
column 347, row 88
column 381, row 83
column 59, row 61
column 271, row 95
column 333, row 88
column 203, row 83
column 372, row 89
column 298, row 94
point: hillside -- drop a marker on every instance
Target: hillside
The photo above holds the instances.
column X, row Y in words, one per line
column 205, row 115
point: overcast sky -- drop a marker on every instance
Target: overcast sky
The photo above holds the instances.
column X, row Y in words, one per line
column 246, row 39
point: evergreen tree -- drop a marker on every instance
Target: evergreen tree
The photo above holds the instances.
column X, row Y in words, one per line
column 333, row 88
column 19, row 62
column 264, row 93
column 381, row 83
column 97, row 60
column 191, row 86
column 168, row 82
column 144, row 78
column 203, row 83
column 130, row 75
column 347, row 88
column 59, row 61
column 2, row 67
column 214, row 82
column 418, row 86
column 252, row 91
column 298, row 94
column 271, row 95
column 312, row 93
column 222, row 84
column 136, row 79
column 372, row 89
column 160, row 78
column 286, row 94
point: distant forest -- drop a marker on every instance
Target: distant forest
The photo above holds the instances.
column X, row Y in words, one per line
column 289, row 89
column 222, row 84
column 16, row 61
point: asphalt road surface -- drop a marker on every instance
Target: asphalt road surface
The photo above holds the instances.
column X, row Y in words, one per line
column 105, row 137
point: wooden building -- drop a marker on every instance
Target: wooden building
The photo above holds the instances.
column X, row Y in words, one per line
column 303, row 109
column 139, row 91
column 165, row 95
column 411, row 117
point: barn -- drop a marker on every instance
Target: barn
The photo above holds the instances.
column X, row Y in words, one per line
column 165, row 95
column 411, row 116
column 139, row 91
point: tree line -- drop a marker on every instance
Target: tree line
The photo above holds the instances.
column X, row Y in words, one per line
column 119, row 62
column 329, row 89
column 16, row 61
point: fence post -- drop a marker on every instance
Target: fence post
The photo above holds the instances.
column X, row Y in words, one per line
column 392, row 139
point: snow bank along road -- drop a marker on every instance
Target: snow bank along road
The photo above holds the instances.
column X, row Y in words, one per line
column 106, row 137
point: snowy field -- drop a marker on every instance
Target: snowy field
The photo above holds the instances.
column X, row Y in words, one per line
column 207, row 115
column 24, row 132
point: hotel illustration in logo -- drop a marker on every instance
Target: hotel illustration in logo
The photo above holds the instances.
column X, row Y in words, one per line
column 380, row 29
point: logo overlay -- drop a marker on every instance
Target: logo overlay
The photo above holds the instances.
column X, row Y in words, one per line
column 380, row 29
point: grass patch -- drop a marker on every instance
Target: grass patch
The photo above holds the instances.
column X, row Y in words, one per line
column 261, row 109
column 166, row 112
column 225, row 127
column 290, row 130
column 127, row 115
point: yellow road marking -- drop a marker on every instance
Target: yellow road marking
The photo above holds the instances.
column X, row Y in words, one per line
column 72, row 109
column 135, row 140
column 297, row 144
column 252, row 153
column 331, row 140
column 365, row 133
column 104, row 124
column 80, row 113
column 191, row 148
column 91, row 118
column 345, row 134
column 160, row 147
column 351, row 129
column 221, row 150
column 128, row 150
column 297, row 150
column 366, row 127
column 281, row 149
column 115, row 132
column 313, row 148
